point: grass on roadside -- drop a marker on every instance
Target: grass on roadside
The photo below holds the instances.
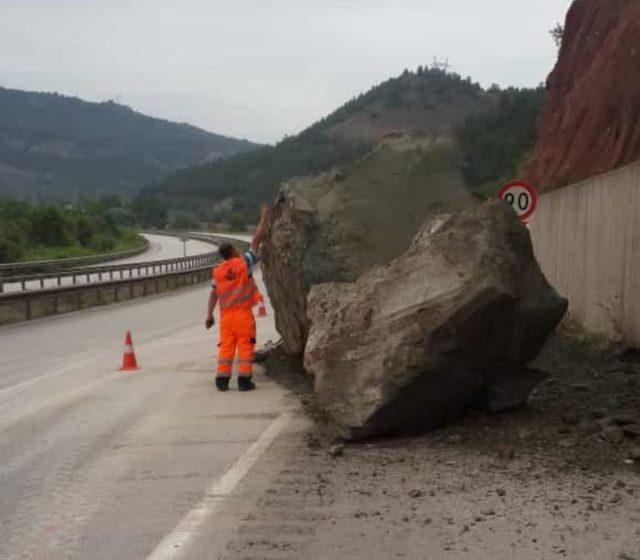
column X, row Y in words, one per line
column 129, row 239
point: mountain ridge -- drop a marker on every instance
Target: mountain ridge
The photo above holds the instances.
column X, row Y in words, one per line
column 429, row 100
column 54, row 145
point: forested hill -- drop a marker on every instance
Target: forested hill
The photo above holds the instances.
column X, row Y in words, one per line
column 501, row 122
column 52, row 146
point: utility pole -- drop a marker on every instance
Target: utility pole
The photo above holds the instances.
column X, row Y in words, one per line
column 444, row 66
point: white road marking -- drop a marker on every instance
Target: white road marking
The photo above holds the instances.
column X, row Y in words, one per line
column 77, row 365
column 176, row 543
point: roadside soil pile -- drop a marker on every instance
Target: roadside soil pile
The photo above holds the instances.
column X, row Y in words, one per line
column 590, row 123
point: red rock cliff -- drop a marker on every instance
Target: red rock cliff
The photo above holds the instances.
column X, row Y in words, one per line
column 591, row 123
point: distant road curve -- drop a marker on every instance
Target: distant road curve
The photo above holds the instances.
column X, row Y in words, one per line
column 231, row 236
column 163, row 247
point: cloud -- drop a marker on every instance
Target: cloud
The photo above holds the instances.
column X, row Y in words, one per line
column 263, row 68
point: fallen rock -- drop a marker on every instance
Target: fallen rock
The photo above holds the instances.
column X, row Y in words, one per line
column 589, row 428
column 630, row 354
column 336, row 450
column 613, row 434
column 508, row 391
column 452, row 322
column 581, row 387
column 313, row 442
column 262, row 354
column 599, row 413
column 631, row 430
column 567, row 443
column 624, row 417
column 508, row 454
column 571, row 417
column 334, row 227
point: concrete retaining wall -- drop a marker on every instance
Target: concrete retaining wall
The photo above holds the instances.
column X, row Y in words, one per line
column 587, row 239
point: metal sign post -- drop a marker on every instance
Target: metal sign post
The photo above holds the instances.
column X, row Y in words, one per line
column 184, row 239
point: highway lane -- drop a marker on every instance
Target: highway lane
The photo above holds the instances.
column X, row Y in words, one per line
column 166, row 247
column 161, row 247
column 100, row 464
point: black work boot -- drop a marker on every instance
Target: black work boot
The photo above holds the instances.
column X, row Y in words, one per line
column 245, row 383
column 222, row 383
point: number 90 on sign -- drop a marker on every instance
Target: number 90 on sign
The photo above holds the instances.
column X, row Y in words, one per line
column 522, row 197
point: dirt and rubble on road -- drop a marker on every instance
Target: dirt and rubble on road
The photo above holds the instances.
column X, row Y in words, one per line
column 586, row 414
column 559, row 477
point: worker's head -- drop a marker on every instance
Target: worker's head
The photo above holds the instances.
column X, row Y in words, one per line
column 227, row 251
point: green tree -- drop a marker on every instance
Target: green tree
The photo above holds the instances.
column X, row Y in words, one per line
column 184, row 222
column 12, row 241
column 151, row 210
column 85, row 230
column 49, row 226
column 557, row 34
column 109, row 201
column 237, row 222
column 103, row 242
column 494, row 144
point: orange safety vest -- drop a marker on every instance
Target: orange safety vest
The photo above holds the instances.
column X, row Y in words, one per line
column 235, row 288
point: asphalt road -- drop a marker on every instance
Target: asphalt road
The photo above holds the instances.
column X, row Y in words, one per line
column 161, row 247
column 96, row 464
column 101, row 464
column 165, row 247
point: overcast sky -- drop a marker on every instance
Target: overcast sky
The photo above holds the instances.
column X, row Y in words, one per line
column 261, row 69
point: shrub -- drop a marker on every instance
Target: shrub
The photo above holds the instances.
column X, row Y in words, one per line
column 50, row 227
column 103, row 242
column 12, row 242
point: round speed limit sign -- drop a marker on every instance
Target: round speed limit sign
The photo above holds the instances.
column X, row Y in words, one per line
column 522, row 197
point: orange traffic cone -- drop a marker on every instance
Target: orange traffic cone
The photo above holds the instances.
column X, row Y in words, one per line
column 129, row 362
column 262, row 310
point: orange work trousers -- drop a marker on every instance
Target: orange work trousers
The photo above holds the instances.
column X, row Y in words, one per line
column 237, row 332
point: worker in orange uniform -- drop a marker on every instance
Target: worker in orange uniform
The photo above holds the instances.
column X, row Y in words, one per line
column 234, row 287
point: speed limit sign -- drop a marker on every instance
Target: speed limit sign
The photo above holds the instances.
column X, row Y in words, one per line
column 522, row 197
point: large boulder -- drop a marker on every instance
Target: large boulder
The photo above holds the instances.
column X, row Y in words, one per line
column 333, row 227
column 453, row 321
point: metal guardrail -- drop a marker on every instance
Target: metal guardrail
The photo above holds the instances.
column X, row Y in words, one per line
column 215, row 238
column 97, row 274
column 82, row 287
column 33, row 267
column 33, row 304
column 218, row 239
column 68, row 276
